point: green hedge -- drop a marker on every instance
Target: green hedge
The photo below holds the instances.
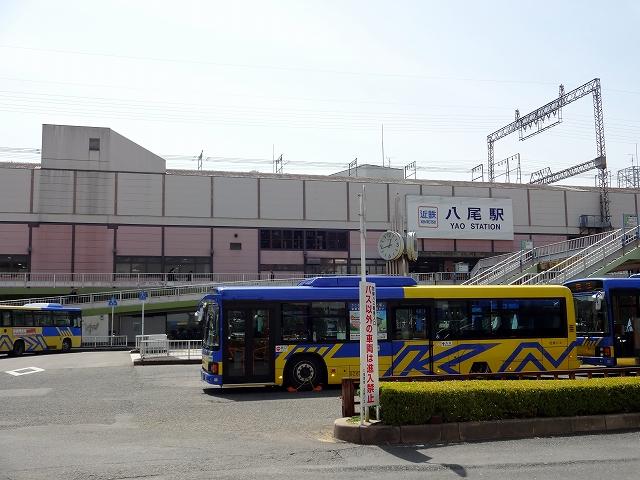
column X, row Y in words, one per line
column 461, row 401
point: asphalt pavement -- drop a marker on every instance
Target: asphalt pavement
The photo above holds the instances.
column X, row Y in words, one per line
column 94, row 415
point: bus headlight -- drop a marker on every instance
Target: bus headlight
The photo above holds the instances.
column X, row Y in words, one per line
column 214, row 368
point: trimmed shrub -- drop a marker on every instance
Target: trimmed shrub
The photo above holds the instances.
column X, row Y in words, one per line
column 415, row 403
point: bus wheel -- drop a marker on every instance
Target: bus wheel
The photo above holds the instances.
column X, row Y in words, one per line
column 18, row 348
column 304, row 372
column 66, row 345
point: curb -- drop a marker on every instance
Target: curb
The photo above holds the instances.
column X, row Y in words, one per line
column 144, row 363
column 433, row 434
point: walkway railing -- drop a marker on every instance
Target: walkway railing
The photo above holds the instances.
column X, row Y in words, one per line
column 436, row 278
column 176, row 292
column 83, row 280
column 594, row 255
column 163, row 348
column 104, row 341
column 520, row 261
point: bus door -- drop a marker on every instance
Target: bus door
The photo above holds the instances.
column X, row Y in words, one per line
column 248, row 349
column 448, row 319
column 626, row 325
column 410, row 344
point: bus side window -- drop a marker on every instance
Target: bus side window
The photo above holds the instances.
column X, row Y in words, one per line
column 61, row 319
column 5, row 319
column 42, row 319
column 410, row 323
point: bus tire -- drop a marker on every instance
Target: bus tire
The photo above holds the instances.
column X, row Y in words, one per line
column 304, row 372
column 66, row 345
column 18, row 348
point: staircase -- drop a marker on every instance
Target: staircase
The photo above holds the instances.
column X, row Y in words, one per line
column 593, row 261
column 525, row 262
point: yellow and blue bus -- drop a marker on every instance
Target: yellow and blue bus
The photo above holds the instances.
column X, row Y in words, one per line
column 607, row 320
column 39, row 327
column 308, row 335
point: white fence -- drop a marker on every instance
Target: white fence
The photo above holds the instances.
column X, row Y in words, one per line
column 104, row 341
column 83, row 280
column 164, row 348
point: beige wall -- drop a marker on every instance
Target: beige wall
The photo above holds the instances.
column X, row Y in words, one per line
column 547, row 208
column 139, row 194
column 55, row 191
column 281, row 199
column 15, row 188
column 235, row 197
column 95, row 193
column 187, row 196
column 376, row 199
column 326, row 200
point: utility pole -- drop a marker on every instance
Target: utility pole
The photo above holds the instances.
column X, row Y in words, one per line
column 383, row 144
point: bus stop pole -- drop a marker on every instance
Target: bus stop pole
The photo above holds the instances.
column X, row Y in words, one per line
column 111, row 326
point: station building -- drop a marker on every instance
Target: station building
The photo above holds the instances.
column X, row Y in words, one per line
column 100, row 203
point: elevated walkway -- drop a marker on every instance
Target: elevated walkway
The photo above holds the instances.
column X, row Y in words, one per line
column 525, row 264
column 183, row 295
column 599, row 259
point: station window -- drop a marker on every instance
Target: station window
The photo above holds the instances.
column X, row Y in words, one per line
column 287, row 239
column 94, row 144
column 13, row 263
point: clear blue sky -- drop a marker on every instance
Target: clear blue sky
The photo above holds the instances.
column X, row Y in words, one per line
column 317, row 79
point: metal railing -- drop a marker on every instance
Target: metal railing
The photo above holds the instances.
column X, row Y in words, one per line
column 83, row 280
column 349, row 399
column 593, row 255
column 104, row 341
column 163, row 348
column 157, row 336
column 86, row 299
column 435, row 278
column 178, row 291
column 524, row 259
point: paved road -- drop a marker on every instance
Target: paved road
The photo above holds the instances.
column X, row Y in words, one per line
column 93, row 415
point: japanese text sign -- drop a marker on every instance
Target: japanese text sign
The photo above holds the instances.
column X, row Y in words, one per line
column 368, row 345
column 460, row 217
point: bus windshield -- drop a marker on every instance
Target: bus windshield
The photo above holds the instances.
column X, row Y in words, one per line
column 211, row 325
column 591, row 314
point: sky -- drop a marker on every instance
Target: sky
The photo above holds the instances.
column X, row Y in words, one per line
column 318, row 82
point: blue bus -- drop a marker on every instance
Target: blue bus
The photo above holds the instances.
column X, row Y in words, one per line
column 39, row 327
column 607, row 320
column 276, row 335
column 308, row 335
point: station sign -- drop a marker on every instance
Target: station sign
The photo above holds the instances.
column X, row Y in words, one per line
column 460, row 217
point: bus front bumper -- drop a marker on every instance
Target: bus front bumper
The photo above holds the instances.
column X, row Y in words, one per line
column 210, row 379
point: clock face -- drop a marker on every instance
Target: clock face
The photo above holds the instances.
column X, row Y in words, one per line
column 390, row 245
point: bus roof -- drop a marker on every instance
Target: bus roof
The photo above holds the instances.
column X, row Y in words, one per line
column 605, row 282
column 354, row 281
column 41, row 306
column 319, row 288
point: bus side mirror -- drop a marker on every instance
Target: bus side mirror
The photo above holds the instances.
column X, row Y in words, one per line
column 598, row 300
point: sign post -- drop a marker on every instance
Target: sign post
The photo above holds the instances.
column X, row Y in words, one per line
column 112, row 303
column 368, row 328
column 142, row 296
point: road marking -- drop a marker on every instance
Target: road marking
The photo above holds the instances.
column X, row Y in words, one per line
column 24, row 371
